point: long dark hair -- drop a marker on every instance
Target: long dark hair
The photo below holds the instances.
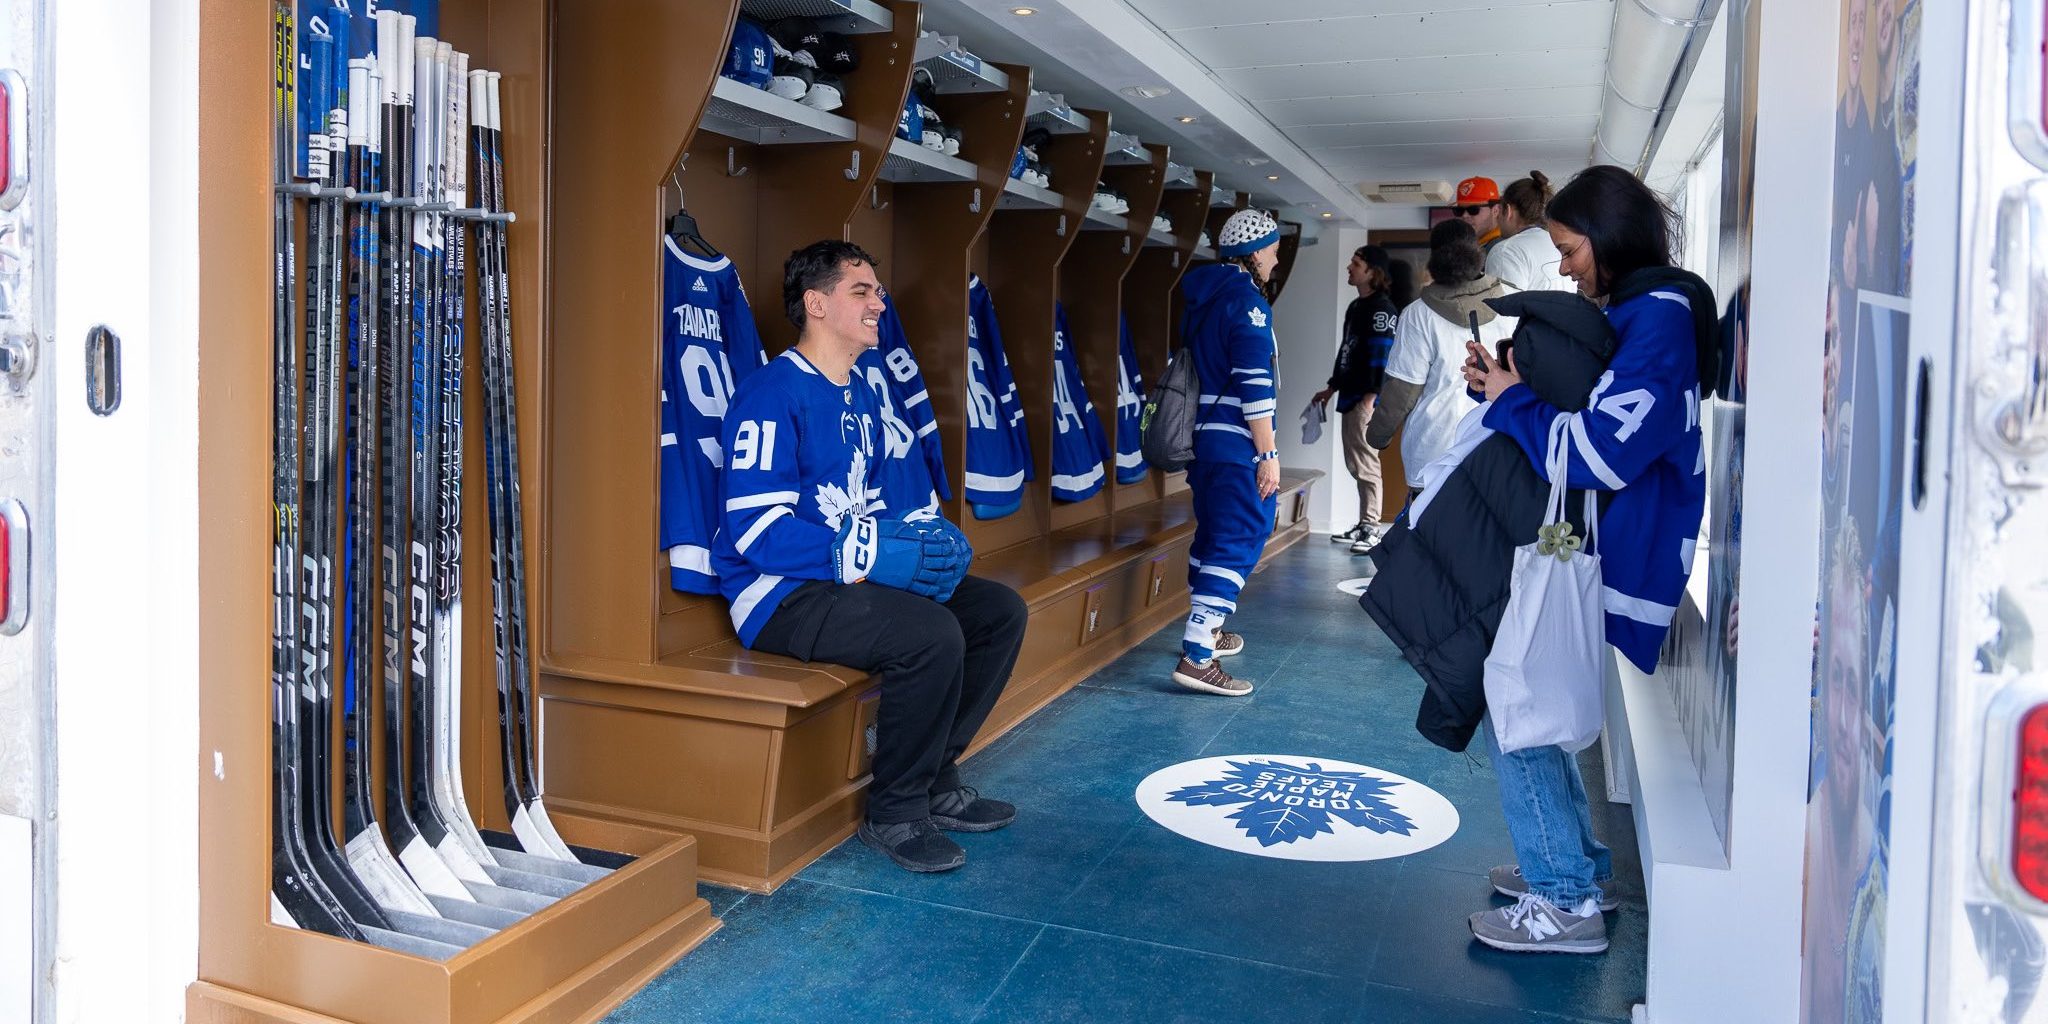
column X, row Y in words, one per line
column 1627, row 225
column 1454, row 256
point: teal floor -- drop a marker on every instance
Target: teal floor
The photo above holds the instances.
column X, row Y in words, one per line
column 1086, row 910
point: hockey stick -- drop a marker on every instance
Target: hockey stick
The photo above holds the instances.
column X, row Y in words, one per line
column 523, row 738
column 298, row 894
column 318, row 494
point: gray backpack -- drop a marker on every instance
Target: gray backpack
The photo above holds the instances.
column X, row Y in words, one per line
column 1167, row 431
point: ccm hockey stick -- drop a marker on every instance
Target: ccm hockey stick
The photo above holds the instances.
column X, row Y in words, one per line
column 530, row 823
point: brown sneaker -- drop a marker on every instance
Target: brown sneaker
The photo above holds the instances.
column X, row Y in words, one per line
column 1227, row 644
column 1209, row 678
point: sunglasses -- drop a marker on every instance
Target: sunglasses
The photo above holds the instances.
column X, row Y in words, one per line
column 1471, row 211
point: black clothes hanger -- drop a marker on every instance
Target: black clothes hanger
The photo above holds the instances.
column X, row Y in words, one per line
column 682, row 226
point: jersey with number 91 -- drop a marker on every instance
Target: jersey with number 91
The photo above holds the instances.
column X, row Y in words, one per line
column 708, row 345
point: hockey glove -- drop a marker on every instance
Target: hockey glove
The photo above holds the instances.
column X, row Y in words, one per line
column 966, row 550
column 907, row 556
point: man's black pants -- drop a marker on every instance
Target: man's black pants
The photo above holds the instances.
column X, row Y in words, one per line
column 942, row 667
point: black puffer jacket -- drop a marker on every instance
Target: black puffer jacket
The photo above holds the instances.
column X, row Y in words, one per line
column 1443, row 582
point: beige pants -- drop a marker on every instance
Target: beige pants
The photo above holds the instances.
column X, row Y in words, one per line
column 1363, row 460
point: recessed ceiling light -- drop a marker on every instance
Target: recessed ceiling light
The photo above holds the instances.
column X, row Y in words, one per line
column 1145, row 92
column 1272, row 177
column 1326, row 215
column 1185, row 119
column 1023, row 12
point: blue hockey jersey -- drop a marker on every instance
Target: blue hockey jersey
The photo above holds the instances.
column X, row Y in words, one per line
column 1130, row 408
column 801, row 450
column 1079, row 446
column 998, row 445
column 1229, row 331
column 708, row 341
column 1639, row 437
column 892, row 366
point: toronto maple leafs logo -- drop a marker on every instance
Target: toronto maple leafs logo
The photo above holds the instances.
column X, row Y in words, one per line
column 1282, row 803
column 1258, row 317
column 835, row 502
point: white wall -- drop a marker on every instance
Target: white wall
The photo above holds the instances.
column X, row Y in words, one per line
column 1307, row 323
column 126, row 80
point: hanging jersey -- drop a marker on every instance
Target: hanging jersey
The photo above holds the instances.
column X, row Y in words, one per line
column 800, row 453
column 1130, row 408
column 1079, row 447
column 998, row 449
column 908, row 403
column 899, row 469
column 708, row 342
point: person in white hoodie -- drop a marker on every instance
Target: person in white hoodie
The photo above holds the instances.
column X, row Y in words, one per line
column 1424, row 394
column 1525, row 258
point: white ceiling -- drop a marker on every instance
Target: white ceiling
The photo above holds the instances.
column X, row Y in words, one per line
column 1324, row 94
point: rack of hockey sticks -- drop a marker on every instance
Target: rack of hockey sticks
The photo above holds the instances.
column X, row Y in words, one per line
column 368, row 390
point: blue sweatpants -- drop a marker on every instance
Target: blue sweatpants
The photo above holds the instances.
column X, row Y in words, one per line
column 1232, row 525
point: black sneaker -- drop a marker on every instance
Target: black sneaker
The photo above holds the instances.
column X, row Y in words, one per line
column 914, row 845
column 966, row 810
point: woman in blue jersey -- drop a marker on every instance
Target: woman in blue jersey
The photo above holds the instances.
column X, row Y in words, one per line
column 1638, row 443
column 1228, row 329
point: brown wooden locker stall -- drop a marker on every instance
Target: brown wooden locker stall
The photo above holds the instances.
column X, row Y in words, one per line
column 665, row 739
column 586, row 952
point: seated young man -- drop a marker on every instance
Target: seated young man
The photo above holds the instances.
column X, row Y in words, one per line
column 819, row 563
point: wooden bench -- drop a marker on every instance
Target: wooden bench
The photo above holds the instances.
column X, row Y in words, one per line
column 763, row 758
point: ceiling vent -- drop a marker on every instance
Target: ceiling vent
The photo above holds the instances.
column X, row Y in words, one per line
column 1406, row 191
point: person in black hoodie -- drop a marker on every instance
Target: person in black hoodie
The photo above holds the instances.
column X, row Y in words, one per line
column 1356, row 378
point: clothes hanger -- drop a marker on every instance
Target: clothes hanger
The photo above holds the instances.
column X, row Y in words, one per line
column 682, row 225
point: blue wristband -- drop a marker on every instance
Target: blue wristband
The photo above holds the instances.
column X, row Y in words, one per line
column 1264, row 456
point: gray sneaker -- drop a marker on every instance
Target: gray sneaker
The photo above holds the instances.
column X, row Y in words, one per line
column 1507, row 880
column 1532, row 925
column 1352, row 535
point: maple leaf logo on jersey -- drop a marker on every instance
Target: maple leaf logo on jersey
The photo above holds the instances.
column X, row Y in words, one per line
column 835, row 503
column 1258, row 317
column 1285, row 802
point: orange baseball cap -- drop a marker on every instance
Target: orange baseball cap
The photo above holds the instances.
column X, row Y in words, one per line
column 1477, row 192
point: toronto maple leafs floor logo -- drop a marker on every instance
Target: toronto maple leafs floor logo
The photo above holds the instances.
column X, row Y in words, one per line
column 1297, row 808
column 1285, row 802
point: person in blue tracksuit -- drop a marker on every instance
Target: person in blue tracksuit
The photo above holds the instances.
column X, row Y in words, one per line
column 1228, row 328
column 1637, row 442
column 820, row 563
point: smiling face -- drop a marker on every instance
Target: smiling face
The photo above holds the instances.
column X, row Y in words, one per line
column 850, row 312
column 1575, row 258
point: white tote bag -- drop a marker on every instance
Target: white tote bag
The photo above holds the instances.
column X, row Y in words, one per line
column 1544, row 675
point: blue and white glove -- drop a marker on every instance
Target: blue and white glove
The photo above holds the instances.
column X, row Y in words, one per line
column 966, row 557
column 915, row 557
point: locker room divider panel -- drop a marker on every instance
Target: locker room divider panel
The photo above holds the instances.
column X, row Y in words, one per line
column 1091, row 283
column 567, row 962
column 1152, row 302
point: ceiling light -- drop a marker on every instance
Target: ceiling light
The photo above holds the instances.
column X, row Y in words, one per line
column 1023, row 12
column 1272, row 177
column 1326, row 216
column 1145, row 92
column 1185, row 119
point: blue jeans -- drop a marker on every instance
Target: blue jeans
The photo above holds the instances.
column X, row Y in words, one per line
column 1549, row 821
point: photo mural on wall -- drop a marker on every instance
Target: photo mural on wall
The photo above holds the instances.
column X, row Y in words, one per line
column 1863, row 433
